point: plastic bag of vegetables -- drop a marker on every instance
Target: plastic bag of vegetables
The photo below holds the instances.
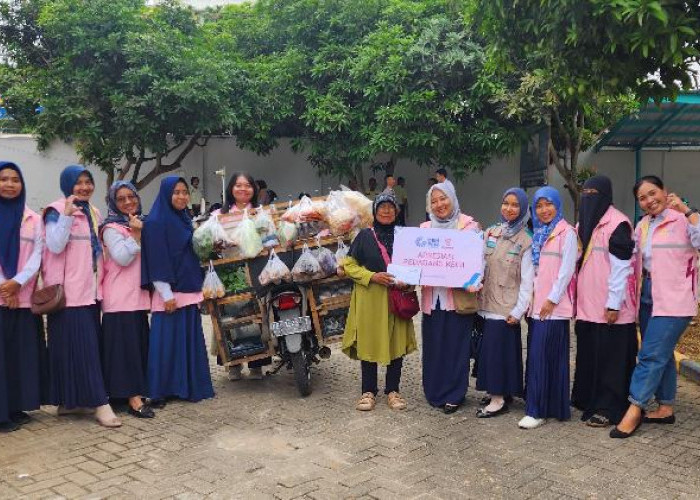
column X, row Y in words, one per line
column 340, row 254
column 246, row 237
column 275, row 271
column 287, row 233
column 326, row 259
column 307, row 268
column 266, row 228
column 207, row 236
column 212, row 288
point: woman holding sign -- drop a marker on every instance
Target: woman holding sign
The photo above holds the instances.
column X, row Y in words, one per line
column 505, row 297
column 372, row 334
column 446, row 325
column 554, row 253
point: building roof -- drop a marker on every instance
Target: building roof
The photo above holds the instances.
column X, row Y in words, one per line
column 669, row 125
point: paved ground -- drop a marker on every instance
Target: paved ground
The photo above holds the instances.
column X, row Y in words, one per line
column 257, row 439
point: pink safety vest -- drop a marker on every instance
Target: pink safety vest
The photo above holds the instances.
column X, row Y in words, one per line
column 673, row 265
column 73, row 266
column 464, row 223
column 550, row 262
column 31, row 223
column 121, row 285
column 592, row 287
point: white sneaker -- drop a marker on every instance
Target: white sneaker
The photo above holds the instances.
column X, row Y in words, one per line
column 255, row 373
column 528, row 422
column 234, row 372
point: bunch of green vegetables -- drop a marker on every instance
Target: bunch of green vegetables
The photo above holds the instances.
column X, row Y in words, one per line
column 233, row 278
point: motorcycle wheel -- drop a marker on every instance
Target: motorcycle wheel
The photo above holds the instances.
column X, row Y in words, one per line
column 302, row 373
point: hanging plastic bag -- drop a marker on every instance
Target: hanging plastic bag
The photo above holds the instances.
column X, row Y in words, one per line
column 287, row 233
column 341, row 217
column 266, row 228
column 275, row 271
column 246, row 237
column 326, row 259
column 307, row 267
column 340, row 255
column 207, row 236
column 212, row 288
column 360, row 203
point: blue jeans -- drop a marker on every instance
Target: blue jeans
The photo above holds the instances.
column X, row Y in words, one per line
column 655, row 373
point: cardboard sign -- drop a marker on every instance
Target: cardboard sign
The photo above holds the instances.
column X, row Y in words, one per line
column 445, row 257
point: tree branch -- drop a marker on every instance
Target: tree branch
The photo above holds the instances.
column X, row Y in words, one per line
column 161, row 168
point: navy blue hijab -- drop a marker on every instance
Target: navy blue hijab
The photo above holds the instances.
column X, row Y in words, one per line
column 69, row 178
column 166, row 244
column 11, row 214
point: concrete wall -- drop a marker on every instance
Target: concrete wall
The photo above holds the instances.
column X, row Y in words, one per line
column 289, row 174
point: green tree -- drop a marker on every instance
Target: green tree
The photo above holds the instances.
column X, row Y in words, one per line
column 394, row 79
column 135, row 88
column 580, row 65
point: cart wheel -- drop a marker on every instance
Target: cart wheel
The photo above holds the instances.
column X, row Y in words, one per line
column 302, row 373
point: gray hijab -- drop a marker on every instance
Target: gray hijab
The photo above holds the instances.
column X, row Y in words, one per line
column 451, row 221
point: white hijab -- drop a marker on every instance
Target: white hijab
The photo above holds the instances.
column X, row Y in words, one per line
column 451, row 221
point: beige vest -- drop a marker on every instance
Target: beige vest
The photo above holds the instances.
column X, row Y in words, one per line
column 502, row 272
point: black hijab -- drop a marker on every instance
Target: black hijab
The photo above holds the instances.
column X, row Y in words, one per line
column 364, row 248
column 593, row 207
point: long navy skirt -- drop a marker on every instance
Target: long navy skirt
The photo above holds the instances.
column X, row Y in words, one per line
column 501, row 359
column 177, row 357
column 74, row 358
column 605, row 359
column 446, row 345
column 548, row 370
column 125, row 353
column 23, row 374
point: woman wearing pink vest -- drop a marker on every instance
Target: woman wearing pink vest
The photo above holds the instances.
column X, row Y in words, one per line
column 554, row 252
column 73, row 257
column 22, row 348
column 667, row 239
column 446, row 334
column 178, row 366
column 606, row 333
column 242, row 194
column 125, row 304
column 503, row 300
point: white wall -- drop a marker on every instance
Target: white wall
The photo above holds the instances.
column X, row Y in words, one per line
column 289, row 174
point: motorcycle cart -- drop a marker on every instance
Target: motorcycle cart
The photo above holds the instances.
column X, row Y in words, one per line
column 293, row 321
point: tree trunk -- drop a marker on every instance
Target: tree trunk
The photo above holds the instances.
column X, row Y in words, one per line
column 110, row 178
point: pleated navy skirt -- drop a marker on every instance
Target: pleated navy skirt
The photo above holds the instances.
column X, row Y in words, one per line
column 23, row 370
column 177, row 357
column 500, row 369
column 125, row 353
column 446, row 346
column 74, row 358
column 548, row 370
column 605, row 359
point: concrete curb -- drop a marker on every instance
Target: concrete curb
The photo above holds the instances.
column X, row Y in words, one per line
column 688, row 368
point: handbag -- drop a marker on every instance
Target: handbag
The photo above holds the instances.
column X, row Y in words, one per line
column 48, row 300
column 465, row 302
column 403, row 304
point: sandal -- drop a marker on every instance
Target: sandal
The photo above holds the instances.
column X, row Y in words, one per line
column 395, row 401
column 366, row 402
column 598, row 421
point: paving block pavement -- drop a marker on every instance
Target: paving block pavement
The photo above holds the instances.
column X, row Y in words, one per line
column 260, row 440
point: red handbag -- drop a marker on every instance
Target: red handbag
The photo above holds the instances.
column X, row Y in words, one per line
column 402, row 304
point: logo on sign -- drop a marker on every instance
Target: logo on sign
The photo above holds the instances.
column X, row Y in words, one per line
column 447, row 244
column 427, row 242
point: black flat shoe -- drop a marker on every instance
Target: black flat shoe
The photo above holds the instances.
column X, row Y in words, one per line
column 671, row 419
column 20, row 418
column 483, row 413
column 144, row 412
column 616, row 433
column 450, row 408
column 6, row 427
column 158, row 404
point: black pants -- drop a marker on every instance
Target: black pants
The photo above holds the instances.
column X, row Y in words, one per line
column 393, row 376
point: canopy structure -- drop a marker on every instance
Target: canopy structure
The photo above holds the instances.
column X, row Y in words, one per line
column 671, row 125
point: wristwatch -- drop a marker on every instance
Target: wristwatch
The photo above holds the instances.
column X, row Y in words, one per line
column 692, row 211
